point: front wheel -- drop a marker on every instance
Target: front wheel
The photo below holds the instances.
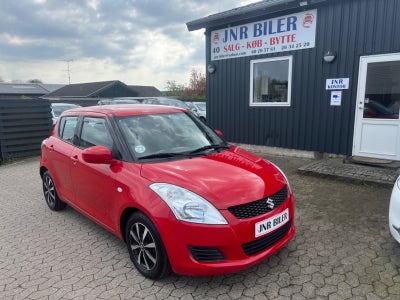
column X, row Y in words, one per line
column 50, row 193
column 146, row 248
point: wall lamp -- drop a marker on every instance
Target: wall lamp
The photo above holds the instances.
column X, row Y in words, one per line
column 329, row 56
column 211, row 68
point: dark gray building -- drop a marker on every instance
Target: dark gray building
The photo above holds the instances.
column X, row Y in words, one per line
column 26, row 90
column 315, row 75
column 146, row 91
column 102, row 89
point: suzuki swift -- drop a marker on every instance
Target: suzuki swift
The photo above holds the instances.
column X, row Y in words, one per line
column 180, row 197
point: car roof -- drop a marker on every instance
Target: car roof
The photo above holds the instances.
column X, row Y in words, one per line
column 122, row 110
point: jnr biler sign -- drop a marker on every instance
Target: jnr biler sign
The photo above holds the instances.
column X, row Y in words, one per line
column 291, row 32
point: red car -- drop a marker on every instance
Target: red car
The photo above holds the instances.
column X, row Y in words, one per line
column 179, row 196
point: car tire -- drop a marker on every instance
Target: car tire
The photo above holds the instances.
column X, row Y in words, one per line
column 50, row 193
column 146, row 248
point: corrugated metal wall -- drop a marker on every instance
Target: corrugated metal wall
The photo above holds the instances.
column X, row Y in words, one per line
column 24, row 124
column 351, row 28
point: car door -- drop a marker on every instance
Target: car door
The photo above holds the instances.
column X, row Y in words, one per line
column 94, row 184
column 59, row 149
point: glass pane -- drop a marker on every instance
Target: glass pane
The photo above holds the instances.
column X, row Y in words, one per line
column 95, row 133
column 67, row 127
column 270, row 81
column 382, row 93
column 165, row 133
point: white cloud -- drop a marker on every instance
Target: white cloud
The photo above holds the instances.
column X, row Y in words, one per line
column 137, row 42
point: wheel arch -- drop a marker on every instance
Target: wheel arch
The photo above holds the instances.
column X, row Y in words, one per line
column 124, row 219
column 42, row 170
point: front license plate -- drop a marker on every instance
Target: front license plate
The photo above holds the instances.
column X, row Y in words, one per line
column 266, row 226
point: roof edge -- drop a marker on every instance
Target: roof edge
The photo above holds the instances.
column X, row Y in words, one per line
column 247, row 12
column 109, row 84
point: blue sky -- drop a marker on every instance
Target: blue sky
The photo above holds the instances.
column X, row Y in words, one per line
column 140, row 42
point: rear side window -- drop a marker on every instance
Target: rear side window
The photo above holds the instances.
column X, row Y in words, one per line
column 95, row 133
column 66, row 129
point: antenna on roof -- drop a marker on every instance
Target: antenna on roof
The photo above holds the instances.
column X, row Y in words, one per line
column 68, row 69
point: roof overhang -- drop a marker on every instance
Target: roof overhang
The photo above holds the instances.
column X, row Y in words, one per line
column 248, row 12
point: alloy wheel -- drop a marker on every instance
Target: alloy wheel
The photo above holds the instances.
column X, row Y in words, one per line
column 143, row 246
column 49, row 191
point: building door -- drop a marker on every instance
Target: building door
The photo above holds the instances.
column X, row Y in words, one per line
column 377, row 123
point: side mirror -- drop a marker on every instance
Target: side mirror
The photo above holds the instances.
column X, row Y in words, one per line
column 219, row 132
column 98, row 155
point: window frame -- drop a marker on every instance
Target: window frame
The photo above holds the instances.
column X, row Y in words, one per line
column 61, row 129
column 82, row 127
column 253, row 62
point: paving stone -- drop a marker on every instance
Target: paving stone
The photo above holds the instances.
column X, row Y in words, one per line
column 342, row 248
column 362, row 289
column 394, row 290
column 344, row 290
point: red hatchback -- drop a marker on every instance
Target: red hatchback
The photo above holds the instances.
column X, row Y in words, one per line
column 169, row 186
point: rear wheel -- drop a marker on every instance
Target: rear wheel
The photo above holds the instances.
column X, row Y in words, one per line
column 146, row 248
column 50, row 193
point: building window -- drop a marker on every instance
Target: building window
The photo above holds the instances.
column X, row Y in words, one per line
column 271, row 81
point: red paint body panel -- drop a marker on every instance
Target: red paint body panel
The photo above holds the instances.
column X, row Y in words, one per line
column 224, row 179
column 228, row 238
column 228, row 178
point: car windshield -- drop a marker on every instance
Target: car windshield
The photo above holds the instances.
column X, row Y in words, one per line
column 168, row 135
column 127, row 101
column 201, row 106
column 57, row 110
column 171, row 102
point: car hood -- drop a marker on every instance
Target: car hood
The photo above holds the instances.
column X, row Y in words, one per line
column 231, row 177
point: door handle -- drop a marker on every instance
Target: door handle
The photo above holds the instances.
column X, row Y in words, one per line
column 74, row 159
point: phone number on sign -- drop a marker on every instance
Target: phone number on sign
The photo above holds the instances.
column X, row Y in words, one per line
column 287, row 47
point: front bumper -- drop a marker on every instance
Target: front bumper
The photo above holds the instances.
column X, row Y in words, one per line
column 394, row 212
column 204, row 250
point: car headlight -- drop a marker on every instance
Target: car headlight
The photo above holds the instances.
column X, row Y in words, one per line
column 188, row 206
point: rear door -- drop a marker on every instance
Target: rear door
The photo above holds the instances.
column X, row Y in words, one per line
column 59, row 152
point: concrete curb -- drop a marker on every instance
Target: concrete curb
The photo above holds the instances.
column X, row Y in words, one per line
column 360, row 174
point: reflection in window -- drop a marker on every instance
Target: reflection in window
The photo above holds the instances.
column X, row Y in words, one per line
column 271, row 81
column 382, row 93
column 95, row 133
column 66, row 129
column 165, row 133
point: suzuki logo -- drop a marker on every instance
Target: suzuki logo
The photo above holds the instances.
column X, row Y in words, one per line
column 270, row 203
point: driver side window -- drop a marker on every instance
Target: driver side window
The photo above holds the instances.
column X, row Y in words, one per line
column 95, row 133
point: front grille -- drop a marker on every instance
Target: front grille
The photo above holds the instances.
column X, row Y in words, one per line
column 206, row 254
column 261, row 244
column 259, row 207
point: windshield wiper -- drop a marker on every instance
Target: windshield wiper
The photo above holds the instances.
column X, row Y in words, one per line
column 212, row 146
column 173, row 154
column 162, row 155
